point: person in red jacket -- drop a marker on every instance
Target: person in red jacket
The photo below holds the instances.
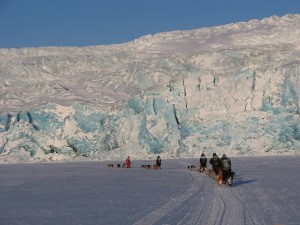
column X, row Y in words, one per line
column 128, row 162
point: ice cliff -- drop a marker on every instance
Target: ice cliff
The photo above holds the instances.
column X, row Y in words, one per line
column 231, row 89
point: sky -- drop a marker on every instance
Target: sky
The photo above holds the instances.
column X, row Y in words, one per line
column 36, row 23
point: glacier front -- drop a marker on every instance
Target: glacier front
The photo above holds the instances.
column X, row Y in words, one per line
column 231, row 89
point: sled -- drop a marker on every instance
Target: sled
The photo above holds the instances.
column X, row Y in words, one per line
column 219, row 178
column 229, row 180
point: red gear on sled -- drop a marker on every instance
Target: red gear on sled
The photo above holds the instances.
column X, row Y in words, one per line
column 128, row 162
column 220, row 177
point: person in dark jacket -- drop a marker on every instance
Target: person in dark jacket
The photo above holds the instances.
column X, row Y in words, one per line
column 226, row 168
column 158, row 162
column 203, row 162
column 216, row 163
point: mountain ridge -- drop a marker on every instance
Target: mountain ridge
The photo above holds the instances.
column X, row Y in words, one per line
column 233, row 88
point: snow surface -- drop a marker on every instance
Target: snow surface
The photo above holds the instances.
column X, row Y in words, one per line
column 232, row 88
column 265, row 191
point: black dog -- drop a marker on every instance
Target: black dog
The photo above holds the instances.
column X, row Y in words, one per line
column 191, row 167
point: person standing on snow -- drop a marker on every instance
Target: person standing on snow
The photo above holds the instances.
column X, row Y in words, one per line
column 128, row 162
column 226, row 168
column 216, row 163
column 203, row 162
column 158, row 162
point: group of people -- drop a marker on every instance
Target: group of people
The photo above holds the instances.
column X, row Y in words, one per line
column 157, row 162
column 222, row 165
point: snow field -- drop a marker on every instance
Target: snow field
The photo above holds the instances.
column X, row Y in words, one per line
column 265, row 191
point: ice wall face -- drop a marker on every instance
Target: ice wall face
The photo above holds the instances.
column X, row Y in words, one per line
column 232, row 89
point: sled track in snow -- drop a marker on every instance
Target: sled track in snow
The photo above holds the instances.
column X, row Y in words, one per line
column 192, row 197
column 190, row 210
column 180, row 206
column 203, row 203
column 250, row 216
column 234, row 210
column 207, row 203
column 221, row 208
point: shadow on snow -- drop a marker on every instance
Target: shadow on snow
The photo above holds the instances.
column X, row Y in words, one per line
column 238, row 182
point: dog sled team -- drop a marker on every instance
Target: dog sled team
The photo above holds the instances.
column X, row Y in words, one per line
column 221, row 169
column 157, row 165
column 127, row 164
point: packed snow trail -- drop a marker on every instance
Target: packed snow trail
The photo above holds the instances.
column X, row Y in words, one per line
column 91, row 193
column 174, row 203
column 205, row 202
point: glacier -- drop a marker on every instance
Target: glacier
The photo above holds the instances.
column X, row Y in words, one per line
column 231, row 89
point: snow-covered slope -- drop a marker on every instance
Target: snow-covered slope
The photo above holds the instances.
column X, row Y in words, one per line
column 232, row 88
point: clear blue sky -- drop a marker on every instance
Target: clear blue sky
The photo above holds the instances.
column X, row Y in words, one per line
column 33, row 23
